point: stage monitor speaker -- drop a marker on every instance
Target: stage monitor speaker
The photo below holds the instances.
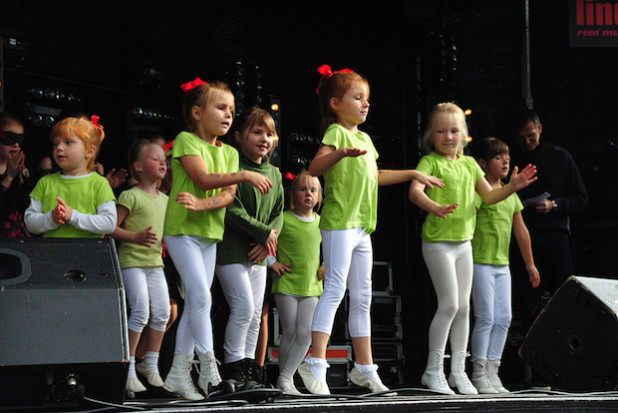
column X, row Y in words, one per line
column 63, row 321
column 572, row 343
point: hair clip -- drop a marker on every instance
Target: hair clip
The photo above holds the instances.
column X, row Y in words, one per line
column 168, row 145
column 192, row 84
column 290, row 176
column 95, row 120
column 326, row 72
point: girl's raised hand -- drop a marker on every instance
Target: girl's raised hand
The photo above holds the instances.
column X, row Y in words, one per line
column 524, row 178
column 352, row 152
column 62, row 213
column 442, row 211
column 259, row 181
column 428, row 180
column 15, row 164
column 146, row 237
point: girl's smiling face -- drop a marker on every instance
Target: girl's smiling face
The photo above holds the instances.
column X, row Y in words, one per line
column 448, row 137
column 256, row 142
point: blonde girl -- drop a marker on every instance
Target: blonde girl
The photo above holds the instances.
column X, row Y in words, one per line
column 141, row 213
column 446, row 235
column 297, row 283
column 205, row 174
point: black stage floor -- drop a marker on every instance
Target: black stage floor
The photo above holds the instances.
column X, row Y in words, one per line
column 407, row 400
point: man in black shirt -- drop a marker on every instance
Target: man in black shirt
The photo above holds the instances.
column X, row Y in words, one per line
column 550, row 203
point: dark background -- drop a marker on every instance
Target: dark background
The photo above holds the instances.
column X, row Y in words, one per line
column 113, row 60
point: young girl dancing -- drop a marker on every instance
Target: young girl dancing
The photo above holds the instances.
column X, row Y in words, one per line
column 205, row 174
column 141, row 213
column 347, row 159
column 297, row 285
column 15, row 180
column 446, row 235
column 252, row 222
column 74, row 202
column 491, row 286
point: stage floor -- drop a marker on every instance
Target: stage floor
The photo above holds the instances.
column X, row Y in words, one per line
column 407, row 400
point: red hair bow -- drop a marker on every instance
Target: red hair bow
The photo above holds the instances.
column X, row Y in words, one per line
column 325, row 71
column 95, row 120
column 290, row 176
column 168, row 145
column 192, row 84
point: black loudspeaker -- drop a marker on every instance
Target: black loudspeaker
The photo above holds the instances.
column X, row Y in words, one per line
column 63, row 322
column 573, row 342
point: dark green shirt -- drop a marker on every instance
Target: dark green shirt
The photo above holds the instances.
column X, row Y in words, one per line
column 252, row 215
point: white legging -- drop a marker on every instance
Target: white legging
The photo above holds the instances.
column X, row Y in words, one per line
column 295, row 314
column 450, row 268
column 491, row 300
column 194, row 260
column 348, row 261
column 243, row 285
column 148, row 298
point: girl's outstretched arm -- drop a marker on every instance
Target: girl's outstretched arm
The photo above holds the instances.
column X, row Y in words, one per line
column 328, row 156
column 418, row 196
column 220, row 200
column 523, row 241
column 518, row 181
column 392, row 177
column 198, row 172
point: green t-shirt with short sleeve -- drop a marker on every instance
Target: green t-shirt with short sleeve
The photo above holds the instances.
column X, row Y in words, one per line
column 218, row 159
column 459, row 176
column 351, row 185
column 299, row 245
column 492, row 236
column 145, row 210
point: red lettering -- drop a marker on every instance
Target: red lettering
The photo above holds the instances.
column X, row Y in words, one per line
column 579, row 12
column 604, row 10
column 596, row 13
column 589, row 13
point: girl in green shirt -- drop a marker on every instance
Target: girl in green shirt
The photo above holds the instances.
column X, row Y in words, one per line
column 491, row 286
column 347, row 160
column 252, row 223
column 446, row 235
column 205, row 174
column 297, row 283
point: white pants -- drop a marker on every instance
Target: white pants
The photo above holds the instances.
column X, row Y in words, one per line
column 296, row 314
column 491, row 300
column 450, row 267
column 195, row 262
column 147, row 297
column 243, row 285
column 348, row 261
